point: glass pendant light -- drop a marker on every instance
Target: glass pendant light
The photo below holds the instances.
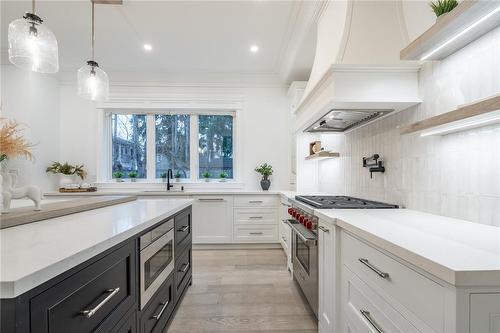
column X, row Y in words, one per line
column 93, row 82
column 32, row 46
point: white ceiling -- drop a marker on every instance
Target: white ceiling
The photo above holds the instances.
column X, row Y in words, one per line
column 187, row 36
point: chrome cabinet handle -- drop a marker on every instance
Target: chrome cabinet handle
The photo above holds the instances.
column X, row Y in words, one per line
column 372, row 322
column 256, row 233
column 164, row 306
column 283, row 238
column 256, row 217
column 184, row 228
column 255, row 201
column 211, row 199
column 324, row 229
column 90, row 312
column 184, row 268
column 365, row 262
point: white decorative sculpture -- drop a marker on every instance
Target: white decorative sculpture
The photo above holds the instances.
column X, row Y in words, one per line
column 9, row 192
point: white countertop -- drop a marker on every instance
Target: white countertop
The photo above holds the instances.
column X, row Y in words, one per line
column 166, row 193
column 459, row 252
column 34, row 253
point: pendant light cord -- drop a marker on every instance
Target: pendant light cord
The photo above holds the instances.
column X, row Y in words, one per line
column 93, row 34
column 33, row 6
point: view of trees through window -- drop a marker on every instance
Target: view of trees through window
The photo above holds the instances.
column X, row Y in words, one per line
column 171, row 147
column 215, row 145
column 128, row 144
column 172, row 144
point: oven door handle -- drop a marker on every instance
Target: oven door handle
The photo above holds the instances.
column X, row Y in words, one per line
column 308, row 241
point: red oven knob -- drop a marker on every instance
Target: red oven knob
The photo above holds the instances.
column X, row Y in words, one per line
column 290, row 210
column 294, row 213
column 301, row 219
column 309, row 224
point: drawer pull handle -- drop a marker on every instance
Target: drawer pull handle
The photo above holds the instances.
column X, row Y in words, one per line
column 164, row 306
column 283, row 238
column 183, row 229
column 256, row 217
column 210, row 200
column 372, row 322
column 256, row 233
column 184, row 268
column 365, row 262
column 91, row 312
column 256, row 201
column 324, row 229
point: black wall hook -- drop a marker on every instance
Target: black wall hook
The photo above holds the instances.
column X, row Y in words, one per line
column 374, row 164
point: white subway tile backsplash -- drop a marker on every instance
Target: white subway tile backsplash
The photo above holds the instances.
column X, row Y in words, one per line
column 456, row 175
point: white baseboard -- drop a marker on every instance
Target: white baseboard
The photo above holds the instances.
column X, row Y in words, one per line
column 236, row 246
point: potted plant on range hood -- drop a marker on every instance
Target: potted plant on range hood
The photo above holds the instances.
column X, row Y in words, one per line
column 265, row 170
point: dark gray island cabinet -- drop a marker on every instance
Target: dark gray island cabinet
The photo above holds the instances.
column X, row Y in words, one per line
column 103, row 294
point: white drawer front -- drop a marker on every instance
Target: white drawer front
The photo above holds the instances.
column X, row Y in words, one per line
column 256, row 233
column 256, row 201
column 417, row 293
column 365, row 311
column 256, row 216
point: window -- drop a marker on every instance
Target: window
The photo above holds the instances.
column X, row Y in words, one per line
column 215, row 145
column 128, row 138
column 172, row 144
column 189, row 143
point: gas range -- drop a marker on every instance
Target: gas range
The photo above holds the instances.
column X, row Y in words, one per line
column 341, row 202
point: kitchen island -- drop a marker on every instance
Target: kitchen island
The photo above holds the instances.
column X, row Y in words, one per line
column 93, row 261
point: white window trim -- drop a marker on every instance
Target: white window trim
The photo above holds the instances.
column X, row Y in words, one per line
column 104, row 174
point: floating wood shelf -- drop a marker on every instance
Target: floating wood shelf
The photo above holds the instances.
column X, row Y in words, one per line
column 322, row 154
column 465, row 23
column 467, row 111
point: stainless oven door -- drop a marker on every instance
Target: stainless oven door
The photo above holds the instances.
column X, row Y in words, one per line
column 157, row 262
column 305, row 265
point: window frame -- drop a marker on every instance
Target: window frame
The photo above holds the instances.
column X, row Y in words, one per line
column 104, row 173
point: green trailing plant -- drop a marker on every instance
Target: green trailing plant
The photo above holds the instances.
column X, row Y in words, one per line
column 223, row 175
column 67, row 169
column 177, row 174
column 441, row 7
column 265, row 170
column 118, row 174
column 206, row 175
column 132, row 174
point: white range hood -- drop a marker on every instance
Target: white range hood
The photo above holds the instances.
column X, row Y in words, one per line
column 343, row 92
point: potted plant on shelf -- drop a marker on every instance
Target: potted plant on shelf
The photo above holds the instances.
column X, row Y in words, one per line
column 265, row 170
column 132, row 175
column 206, row 176
column 67, row 172
column 441, row 7
column 118, row 175
column 163, row 177
column 222, row 176
column 177, row 176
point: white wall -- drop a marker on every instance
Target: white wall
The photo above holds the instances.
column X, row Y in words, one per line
column 456, row 175
column 264, row 132
column 32, row 99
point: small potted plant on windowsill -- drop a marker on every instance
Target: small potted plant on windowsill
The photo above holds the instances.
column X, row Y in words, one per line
column 442, row 7
column 133, row 176
column 177, row 176
column 163, row 177
column 265, row 170
column 222, row 176
column 206, row 176
column 118, row 175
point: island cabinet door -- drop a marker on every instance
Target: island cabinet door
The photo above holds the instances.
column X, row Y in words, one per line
column 183, row 230
column 92, row 300
column 155, row 315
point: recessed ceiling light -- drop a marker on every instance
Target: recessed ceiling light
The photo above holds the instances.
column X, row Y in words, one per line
column 254, row 48
column 148, row 47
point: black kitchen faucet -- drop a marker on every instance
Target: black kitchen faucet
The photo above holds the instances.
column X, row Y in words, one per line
column 169, row 176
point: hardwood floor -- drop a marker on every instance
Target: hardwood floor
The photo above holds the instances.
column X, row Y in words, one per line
column 242, row 291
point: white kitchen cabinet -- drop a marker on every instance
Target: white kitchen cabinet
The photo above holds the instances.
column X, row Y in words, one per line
column 327, row 261
column 285, row 233
column 212, row 219
column 485, row 313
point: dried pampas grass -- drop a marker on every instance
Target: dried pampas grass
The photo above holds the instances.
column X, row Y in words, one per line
column 12, row 142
